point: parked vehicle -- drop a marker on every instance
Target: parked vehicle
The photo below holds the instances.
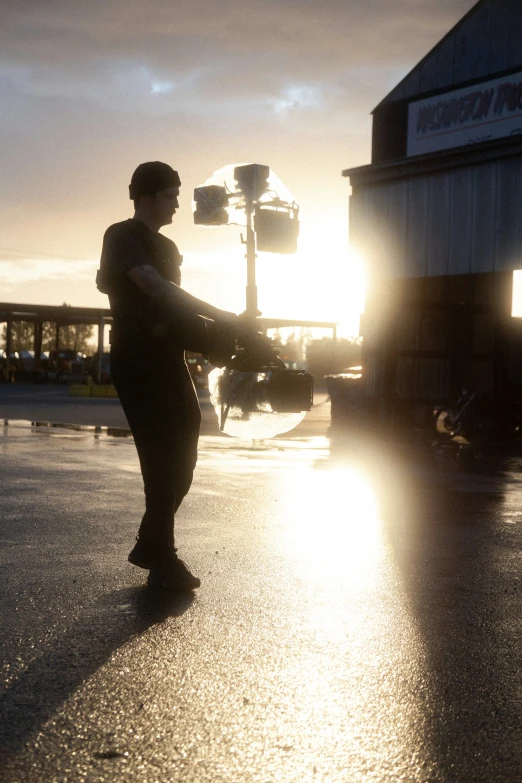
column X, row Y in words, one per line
column 471, row 417
column 474, row 426
column 66, row 366
column 93, row 367
column 13, row 366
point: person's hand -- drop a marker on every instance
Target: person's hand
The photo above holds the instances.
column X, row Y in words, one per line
column 228, row 318
column 219, row 359
column 249, row 322
column 257, row 344
column 245, row 327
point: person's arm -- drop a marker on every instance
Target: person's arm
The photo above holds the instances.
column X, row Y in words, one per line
column 174, row 298
column 183, row 310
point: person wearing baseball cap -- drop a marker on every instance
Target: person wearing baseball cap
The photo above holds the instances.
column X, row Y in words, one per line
column 154, row 321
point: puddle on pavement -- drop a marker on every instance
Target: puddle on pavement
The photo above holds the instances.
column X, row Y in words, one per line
column 224, row 444
column 50, row 426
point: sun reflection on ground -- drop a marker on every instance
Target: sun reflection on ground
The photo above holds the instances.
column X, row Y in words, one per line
column 332, row 515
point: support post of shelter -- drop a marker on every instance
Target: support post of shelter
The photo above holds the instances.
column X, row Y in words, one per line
column 38, row 330
column 251, row 288
column 57, row 337
column 101, row 329
column 8, row 347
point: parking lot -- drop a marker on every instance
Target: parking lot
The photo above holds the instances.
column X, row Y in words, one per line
column 358, row 619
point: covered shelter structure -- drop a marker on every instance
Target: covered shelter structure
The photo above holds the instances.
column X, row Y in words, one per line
column 59, row 315
column 437, row 217
column 282, row 323
column 64, row 315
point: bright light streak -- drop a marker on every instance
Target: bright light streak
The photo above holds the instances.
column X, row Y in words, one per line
column 516, row 304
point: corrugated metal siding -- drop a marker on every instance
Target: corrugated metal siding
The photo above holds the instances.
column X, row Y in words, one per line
column 480, row 376
column 372, row 376
column 437, row 228
column 425, row 339
column 429, row 74
column 503, row 56
column 416, row 245
column 487, row 198
column 369, row 227
column 508, row 226
column 430, row 330
column 444, row 59
column 466, row 220
column 483, row 340
column 422, row 379
column 485, row 42
column 461, row 223
column 429, row 380
column 472, row 45
column 396, row 241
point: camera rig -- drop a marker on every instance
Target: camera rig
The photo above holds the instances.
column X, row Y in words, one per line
column 254, row 391
column 259, row 385
column 275, row 221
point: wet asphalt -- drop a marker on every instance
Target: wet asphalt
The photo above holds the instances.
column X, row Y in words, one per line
column 358, row 619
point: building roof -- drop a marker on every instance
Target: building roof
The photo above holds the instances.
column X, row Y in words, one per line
column 485, row 42
column 61, row 314
column 70, row 314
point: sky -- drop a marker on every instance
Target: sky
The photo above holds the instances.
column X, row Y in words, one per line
column 90, row 89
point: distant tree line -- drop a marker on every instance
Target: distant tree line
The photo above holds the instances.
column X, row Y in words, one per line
column 325, row 356
column 328, row 356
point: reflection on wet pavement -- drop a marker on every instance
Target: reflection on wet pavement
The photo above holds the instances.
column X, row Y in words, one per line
column 114, row 432
column 358, row 617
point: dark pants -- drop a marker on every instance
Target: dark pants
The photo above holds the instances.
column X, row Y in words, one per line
column 161, row 406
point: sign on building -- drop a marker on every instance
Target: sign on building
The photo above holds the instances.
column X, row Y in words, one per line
column 490, row 110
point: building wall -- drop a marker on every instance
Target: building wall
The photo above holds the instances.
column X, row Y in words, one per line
column 465, row 220
column 427, row 338
column 485, row 44
column 441, row 232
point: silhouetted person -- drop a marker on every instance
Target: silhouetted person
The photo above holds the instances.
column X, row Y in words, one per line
column 154, row 321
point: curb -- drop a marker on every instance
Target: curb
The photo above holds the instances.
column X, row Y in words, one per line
column 92, row 390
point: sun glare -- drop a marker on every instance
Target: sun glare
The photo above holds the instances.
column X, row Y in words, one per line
column 516, row 305
column 333, row 518
column 324, row 281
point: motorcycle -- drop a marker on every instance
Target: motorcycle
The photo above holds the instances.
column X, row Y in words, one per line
column 465, row 429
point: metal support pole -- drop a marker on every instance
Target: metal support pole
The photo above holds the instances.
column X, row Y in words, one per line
column 57, row 338
column 251, row 288
column 8, row 347
column 101, row 326
column 335, row 351
column 38, row 330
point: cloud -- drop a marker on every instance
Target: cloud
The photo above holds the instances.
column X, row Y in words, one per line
column 184, row 58
column 88, row 89
column 304, row 37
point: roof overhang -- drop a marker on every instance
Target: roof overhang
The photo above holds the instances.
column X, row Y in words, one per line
column 421, row 165
column 60, row 314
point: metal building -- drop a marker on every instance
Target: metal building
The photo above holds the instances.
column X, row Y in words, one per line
column 437, row 216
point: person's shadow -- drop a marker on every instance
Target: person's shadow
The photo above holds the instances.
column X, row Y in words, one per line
column 35, row 695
